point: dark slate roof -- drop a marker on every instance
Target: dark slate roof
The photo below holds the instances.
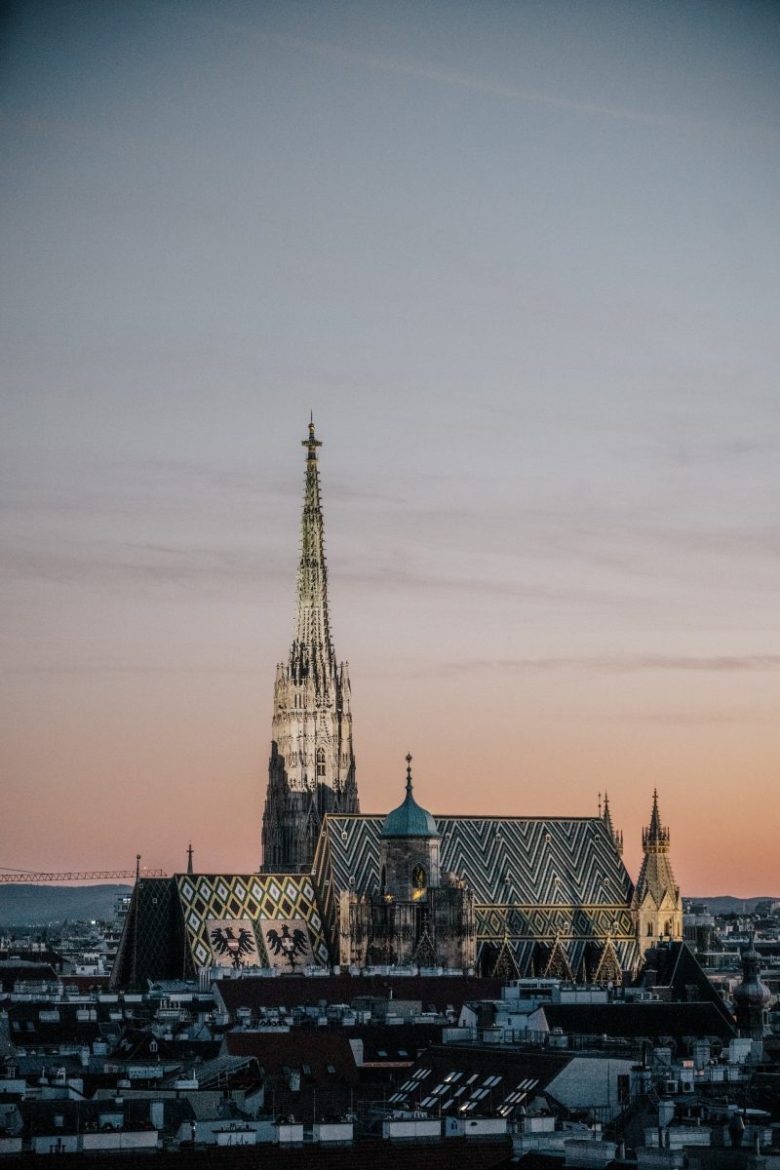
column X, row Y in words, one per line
column 298, row 991
column 77, row 1116
column 143, row 1045
column 674, row 967
column 86, row 982
column 394, row 1043
column 447, row 1077
column 326, row 1055
column 14, row 971
column 152, row 944
column 630, row 1020
column 28, row 955
column 31, row 1025
column 226, row 1072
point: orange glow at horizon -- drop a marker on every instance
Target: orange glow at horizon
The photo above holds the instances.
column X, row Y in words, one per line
column 147, row 769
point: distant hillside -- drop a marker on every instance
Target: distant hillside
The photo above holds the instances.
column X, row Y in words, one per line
column 726, row 904
column 45, row 905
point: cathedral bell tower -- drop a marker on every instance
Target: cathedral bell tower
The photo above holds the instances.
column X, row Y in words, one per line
column 311, row 771
column 409, row 849
column 418, row 915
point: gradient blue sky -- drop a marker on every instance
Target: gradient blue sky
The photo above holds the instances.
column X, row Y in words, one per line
column 522, row 260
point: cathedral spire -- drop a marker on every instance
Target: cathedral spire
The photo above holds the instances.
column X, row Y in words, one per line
column 311, row 771
column 312, row 625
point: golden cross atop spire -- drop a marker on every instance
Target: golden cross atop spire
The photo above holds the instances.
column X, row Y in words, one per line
column 311, row 442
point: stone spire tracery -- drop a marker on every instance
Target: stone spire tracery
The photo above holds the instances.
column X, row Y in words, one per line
column 312, row 623
column 311, row 771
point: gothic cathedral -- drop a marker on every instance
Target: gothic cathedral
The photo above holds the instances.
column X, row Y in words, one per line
column 500, row 895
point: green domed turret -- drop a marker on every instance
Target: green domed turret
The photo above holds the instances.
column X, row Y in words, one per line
column 409, row 820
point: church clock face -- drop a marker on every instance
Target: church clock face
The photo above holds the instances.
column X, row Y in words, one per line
column 419, row 877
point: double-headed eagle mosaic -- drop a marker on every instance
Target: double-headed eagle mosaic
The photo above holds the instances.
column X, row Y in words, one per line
column 225, row 942
column 288, row 945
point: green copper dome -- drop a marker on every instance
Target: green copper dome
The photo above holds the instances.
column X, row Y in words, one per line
column 409, row 820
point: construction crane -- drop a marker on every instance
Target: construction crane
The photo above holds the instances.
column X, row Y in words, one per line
column 8, row 876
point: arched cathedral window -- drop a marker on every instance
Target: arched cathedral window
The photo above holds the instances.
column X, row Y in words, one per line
column 320, row 763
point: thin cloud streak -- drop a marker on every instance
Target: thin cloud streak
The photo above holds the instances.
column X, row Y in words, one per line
column 90, row 668
column 622, row 664
column 427, row 71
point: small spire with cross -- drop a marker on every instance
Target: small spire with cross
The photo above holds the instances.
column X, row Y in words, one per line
column 409, row 773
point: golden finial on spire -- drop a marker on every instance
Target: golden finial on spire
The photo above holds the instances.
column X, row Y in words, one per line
column 311, row 443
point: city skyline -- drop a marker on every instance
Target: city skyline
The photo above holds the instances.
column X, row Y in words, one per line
column 524, row 272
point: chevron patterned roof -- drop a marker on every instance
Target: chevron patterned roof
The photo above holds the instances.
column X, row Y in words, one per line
column 533, row 878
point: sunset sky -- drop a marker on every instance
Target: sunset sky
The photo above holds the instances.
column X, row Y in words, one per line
column 522, row 261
